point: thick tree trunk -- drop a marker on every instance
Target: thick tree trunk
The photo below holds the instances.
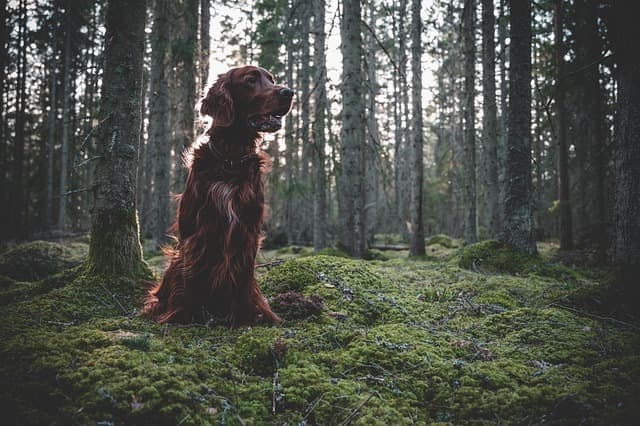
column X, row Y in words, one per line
column 401, row 142
column 469, row 158
column 416, row 246
column 591, row 152
column 320, row 239
column 159, row 133
column 115, row 243
column 566, row 235
column 352, row 232
column 490, row 119
column 626, row 248
column 518, row 226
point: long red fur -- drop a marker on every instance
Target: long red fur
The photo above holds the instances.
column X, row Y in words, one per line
column 218, row 230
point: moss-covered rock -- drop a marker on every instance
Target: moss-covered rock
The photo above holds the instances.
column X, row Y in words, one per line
column 39, row 259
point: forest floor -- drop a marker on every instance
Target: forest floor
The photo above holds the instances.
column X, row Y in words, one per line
column 476, row 335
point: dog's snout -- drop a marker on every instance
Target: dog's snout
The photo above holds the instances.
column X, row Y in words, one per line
column 285, row 92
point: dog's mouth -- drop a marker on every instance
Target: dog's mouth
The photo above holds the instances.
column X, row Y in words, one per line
column 271, row 122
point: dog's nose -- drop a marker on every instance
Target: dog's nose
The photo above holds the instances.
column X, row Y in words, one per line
column 286, row 93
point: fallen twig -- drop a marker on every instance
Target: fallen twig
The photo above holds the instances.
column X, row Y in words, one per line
column 351, row 416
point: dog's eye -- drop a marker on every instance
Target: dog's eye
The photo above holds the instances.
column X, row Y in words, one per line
column 252, row 80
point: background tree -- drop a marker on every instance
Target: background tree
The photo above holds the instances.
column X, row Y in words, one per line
column 469, row 157
column 115, row 243
column 518, row 226
column 416, row 247
column 351, row 135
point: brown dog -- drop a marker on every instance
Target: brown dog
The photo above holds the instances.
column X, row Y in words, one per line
column 220, row 213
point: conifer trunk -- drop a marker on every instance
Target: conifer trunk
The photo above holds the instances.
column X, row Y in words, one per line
column 469, row 151
column 518, row 225
column 115, row 243
column 416, row 246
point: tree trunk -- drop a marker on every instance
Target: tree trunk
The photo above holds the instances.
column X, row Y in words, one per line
column 115, row 243
column 352, row 232
column 4, row 61
column 489, row 118
column 51, row 139
column 591, row 149
column 626, row 248
column 372, row 142
column 518, row 226
column 469, row 158
column 159, row 132
column 18, row 184
column 66, row 100
column 320, row 239
column 205, row 42
column 184, row 78
column 566, row 235
column 416, row 246
column 289, row 147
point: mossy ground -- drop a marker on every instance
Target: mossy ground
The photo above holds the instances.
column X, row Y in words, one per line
column 398, row 341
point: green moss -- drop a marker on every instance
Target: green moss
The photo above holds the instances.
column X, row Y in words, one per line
column 39, row 259
column 401, row 341
column 443, row 240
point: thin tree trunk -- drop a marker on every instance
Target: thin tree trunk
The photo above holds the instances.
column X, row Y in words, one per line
column 518, row 226
column 352, row 232
column 205, row 42
column 159, row 133
column 115, row 242
column 4, row 61
column 372, row 142
column 566, row 235
column 18, row 184
column 416, row 245
column 289, row 147
column 320, row 239
column 66, row 100
column 469, row 163
column 51, row 139
column 489, row 118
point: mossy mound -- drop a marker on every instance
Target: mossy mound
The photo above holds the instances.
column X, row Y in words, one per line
column 443, row 240
column 39, row 259
column 498, row 256
column 404, row 341
column 294, row 305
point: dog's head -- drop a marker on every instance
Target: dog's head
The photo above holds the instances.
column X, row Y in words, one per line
column 247, row 96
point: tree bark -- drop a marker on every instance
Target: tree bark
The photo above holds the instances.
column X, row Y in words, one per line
column 490, row 119
column 469, row 162
column 51, row 139
column 416, row 246
column 205, row 42
column 352, row 232
column 566, row 235
column 372, row 141
column 66, row 100
column 320, row 239
column 518, row 226
column 115, row 243
column 626, row 247
column 159, row 132
column 184, row 78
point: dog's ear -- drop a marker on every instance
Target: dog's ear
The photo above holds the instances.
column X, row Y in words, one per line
column 217, row 103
